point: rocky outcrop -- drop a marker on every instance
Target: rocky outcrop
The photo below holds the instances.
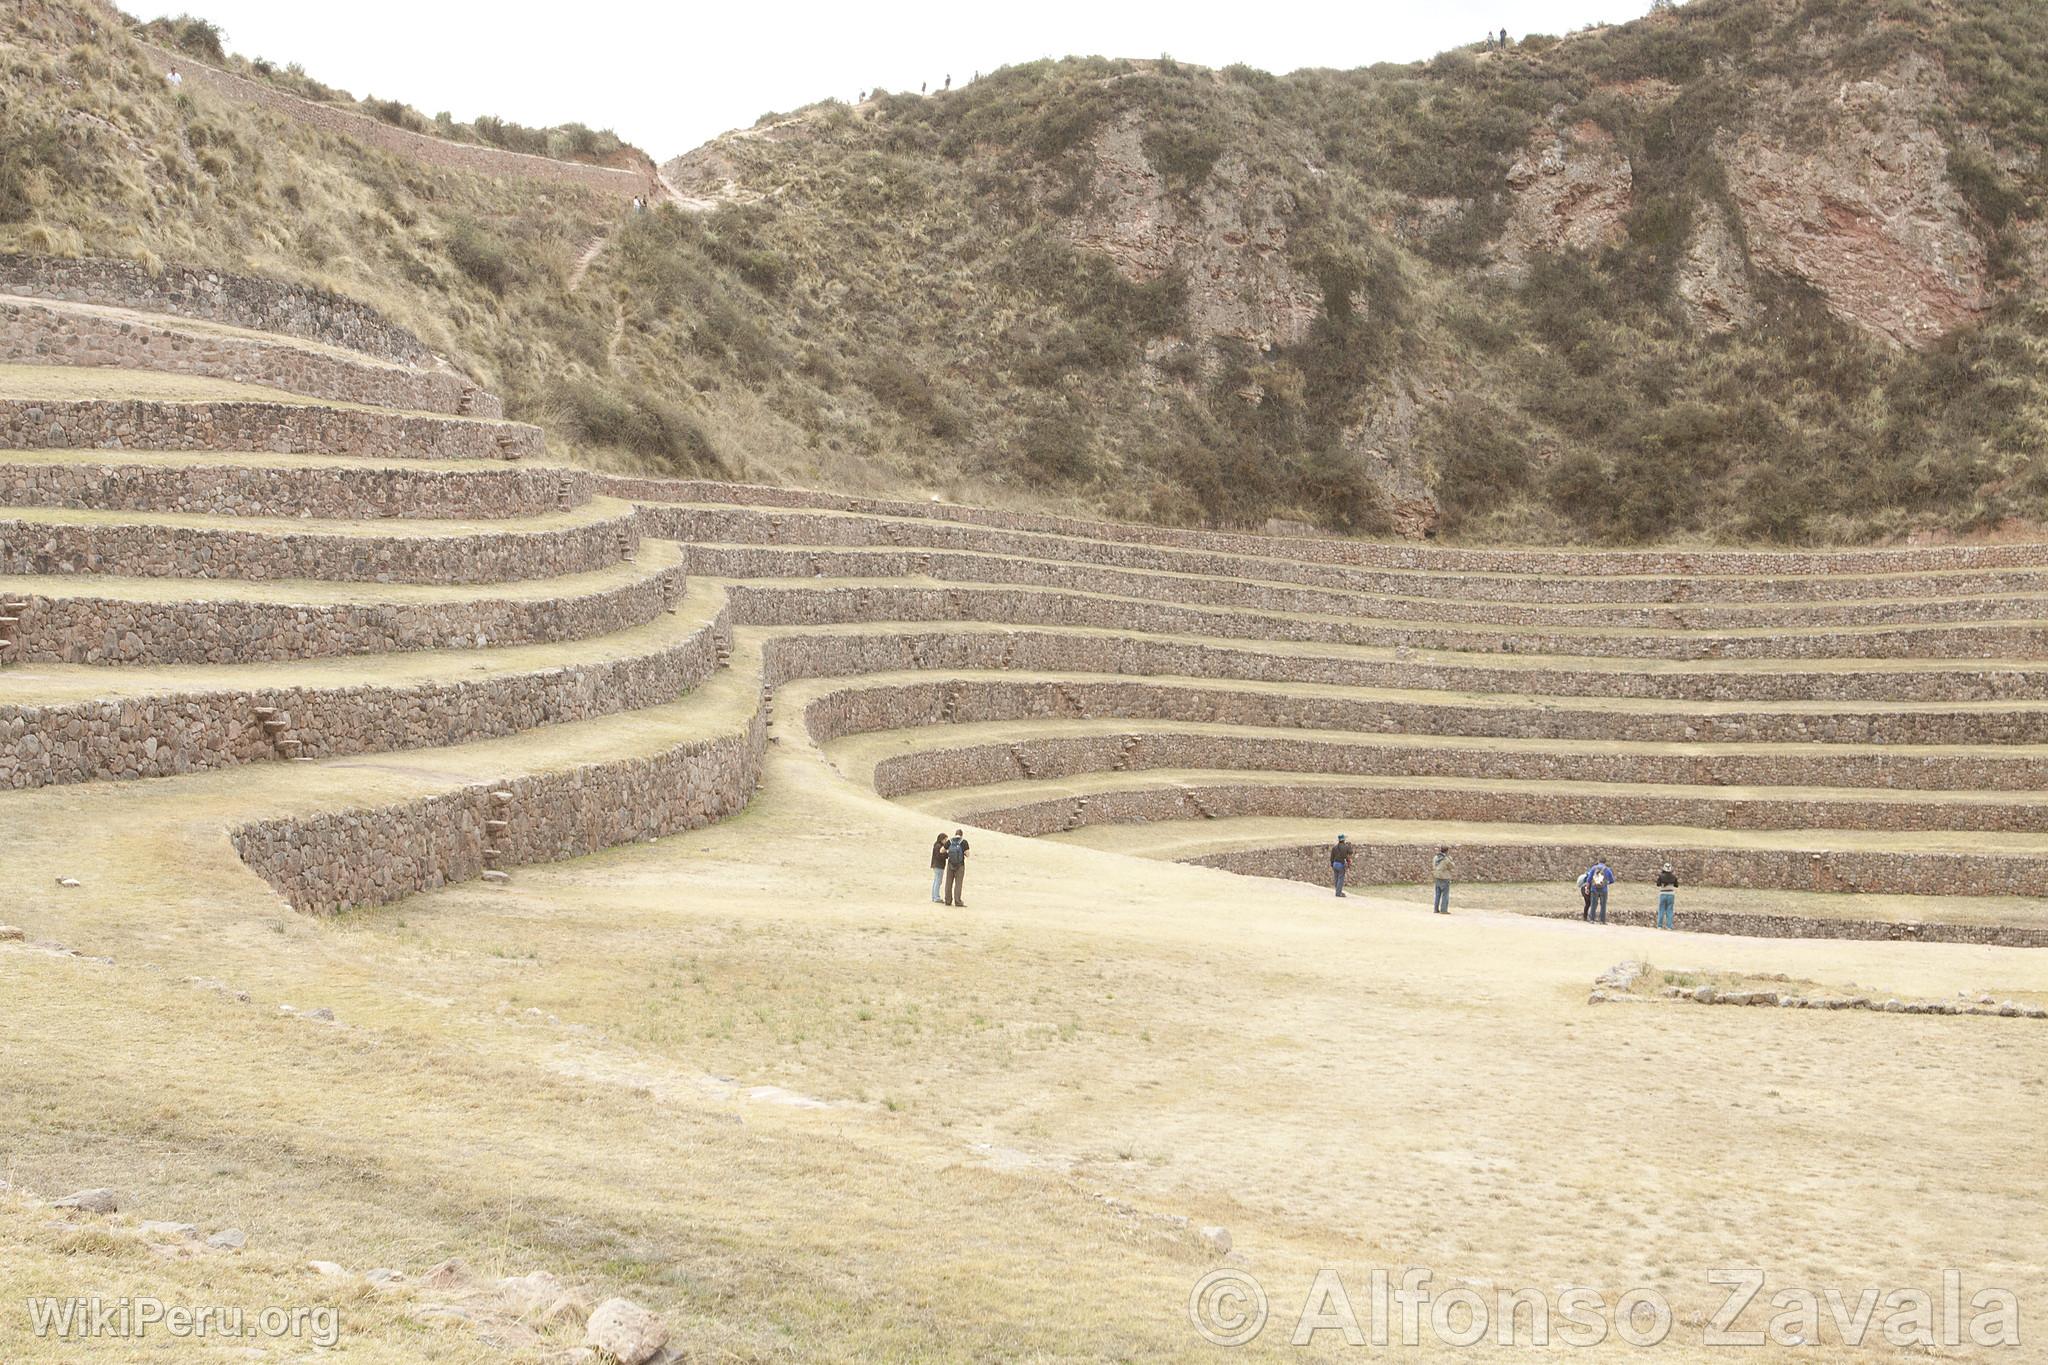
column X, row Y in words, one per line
column 1229, row 239
column 1572, row 187
column 1867, row 216
column 1713, row 279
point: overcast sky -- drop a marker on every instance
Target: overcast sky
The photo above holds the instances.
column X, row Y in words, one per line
column 671, row 76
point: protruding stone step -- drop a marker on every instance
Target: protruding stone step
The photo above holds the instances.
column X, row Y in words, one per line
column 496, row 826
column 494, row 875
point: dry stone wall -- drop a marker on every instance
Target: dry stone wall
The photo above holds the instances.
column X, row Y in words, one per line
column 1055, row 757
column 86, row 629
column 282, row 428
column 894, row 706
column 1999, row 600
column 1209, row 799
column 251, row 301
column 1572, row 563
column 340, row 860
column 432, row 152
column 332, row 492
column 37, row 334
column 1763, row 581
column 1054, row 651
column 1764, row 870
column 841, row 605
column 158, row 736
column 150, row 550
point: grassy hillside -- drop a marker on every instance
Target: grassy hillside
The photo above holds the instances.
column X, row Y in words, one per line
column 1213, row 297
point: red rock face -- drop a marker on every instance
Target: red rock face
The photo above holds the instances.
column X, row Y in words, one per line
column 1867, row 214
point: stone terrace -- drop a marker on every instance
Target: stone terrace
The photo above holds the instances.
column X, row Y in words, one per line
column 252, row 538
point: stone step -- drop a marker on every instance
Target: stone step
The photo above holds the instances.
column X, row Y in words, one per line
column 977, row 755
column 811, row 604
column 57, row 332
column 287, row 427
column 152, row 622
column 158, row 723
column 1921, row 600
column 1034, row 808
column 169, row 545
column 982, row 648
column 1533, row 575
column 238, row 484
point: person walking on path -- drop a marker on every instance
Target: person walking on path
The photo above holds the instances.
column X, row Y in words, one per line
column 956, row 869
column 1598, row 878
column 1340, row 861
column 1441, row 867
column 1667, row 897
column 938, row 864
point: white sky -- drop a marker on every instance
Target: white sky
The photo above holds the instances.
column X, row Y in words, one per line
column 669, row 77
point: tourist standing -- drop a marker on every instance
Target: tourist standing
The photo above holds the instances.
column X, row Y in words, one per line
column 1598, row 878
column 1340, row 861
column 1667, row 898
column 938, row 864
column 1442, row 868
column 956, row 869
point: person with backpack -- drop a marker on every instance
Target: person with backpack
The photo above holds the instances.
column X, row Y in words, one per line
column 1340, row 861
column 938, row 864
column 956, row 870
column 1441, row 867
column 1667, row 897
column 1598, row 878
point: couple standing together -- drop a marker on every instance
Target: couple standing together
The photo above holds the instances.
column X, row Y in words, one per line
column 949, row 868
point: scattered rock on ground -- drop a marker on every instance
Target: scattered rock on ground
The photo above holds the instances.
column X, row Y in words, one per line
column 1217, row 1238
column 228, row 1239
column 384, row 1277
column 447, row 1275
column 528, row 1294
column 11, row 934
column 626, row 1332
column 571, row 1309
column 325, row 1268
column 90, row 1201
column 169, row 1232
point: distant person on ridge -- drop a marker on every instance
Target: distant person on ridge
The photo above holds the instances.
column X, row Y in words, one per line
column 938, row 864
column 956, row 869
column 1667, row 897
column 949, row 82
column 1598, row 878
column 1340, row 860
column 1442, row 868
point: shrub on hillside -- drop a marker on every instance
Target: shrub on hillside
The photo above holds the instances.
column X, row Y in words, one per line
column 903, row 388
column 638, row 420
column 479, row 255
column 191, row 34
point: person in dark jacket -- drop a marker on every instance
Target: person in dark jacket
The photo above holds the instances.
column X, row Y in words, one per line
column 956, row 869
column 938, row 864
column 1667, row 897
column 1340, row 861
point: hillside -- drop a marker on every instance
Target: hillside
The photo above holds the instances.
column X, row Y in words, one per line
column 1747, row 270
